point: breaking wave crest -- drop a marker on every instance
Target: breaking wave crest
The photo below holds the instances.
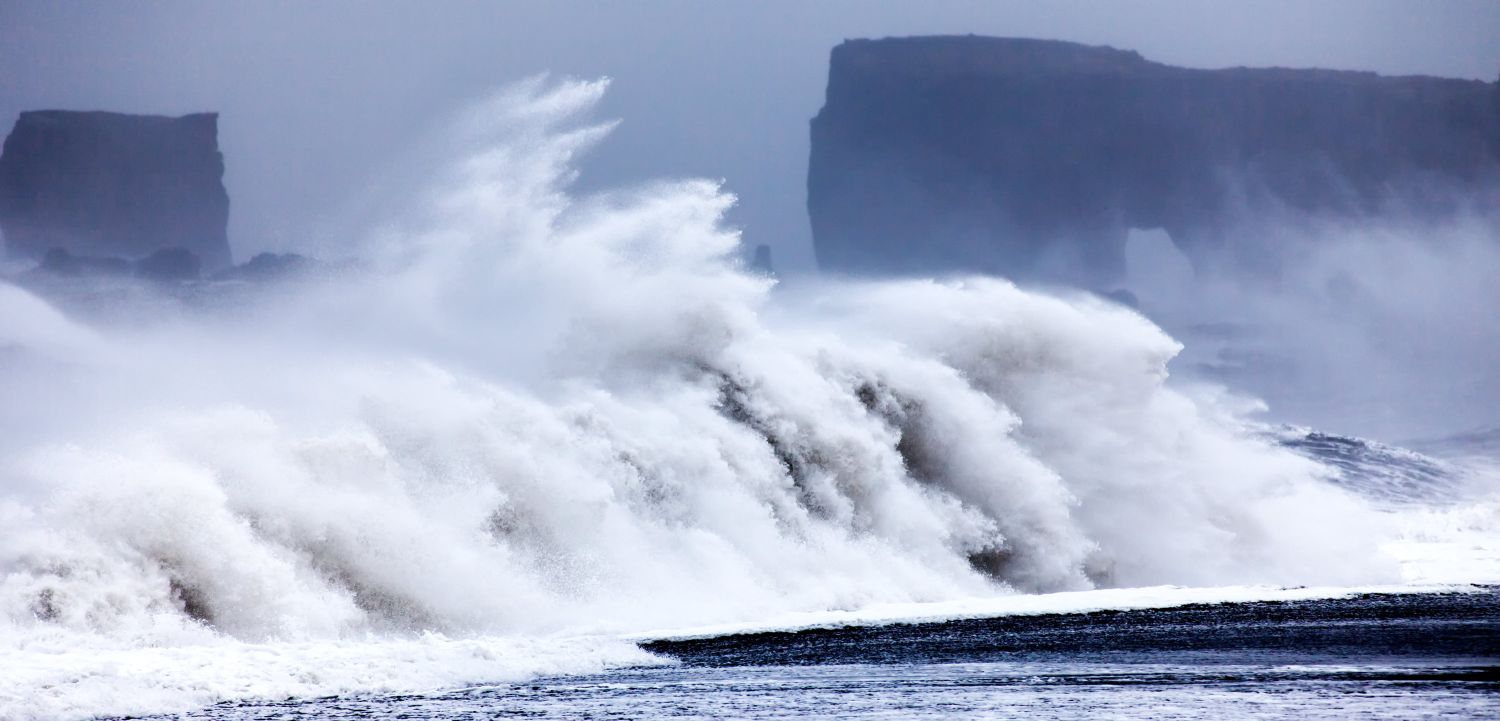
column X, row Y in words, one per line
column 531, row 413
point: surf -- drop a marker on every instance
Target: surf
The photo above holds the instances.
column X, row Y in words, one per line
column 532, row 414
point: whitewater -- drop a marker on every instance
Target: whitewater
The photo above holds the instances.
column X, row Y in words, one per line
column 531, row 427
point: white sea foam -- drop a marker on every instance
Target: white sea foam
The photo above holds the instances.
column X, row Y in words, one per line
column 534, row 414
column 57, row 677
column 1454, row 543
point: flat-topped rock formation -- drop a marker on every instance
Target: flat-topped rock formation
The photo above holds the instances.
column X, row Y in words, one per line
column 1033, row 158
column 109, row 185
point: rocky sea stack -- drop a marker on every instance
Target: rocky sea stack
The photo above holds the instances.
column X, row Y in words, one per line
column 110, row 185
column 1034, row 158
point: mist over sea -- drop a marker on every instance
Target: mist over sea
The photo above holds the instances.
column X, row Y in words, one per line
column 537, row 436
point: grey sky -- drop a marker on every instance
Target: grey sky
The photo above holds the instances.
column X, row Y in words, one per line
column 318, row 97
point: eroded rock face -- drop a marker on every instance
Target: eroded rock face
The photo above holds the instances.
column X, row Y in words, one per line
column 97, row 184
column 1033, row 159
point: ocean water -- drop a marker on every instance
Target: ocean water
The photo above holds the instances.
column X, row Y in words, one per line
column 532, row 437
column 1399, row 656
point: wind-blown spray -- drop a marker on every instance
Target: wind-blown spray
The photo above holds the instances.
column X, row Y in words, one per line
column 531, row 413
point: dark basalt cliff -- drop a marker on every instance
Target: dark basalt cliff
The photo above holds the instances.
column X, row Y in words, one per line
column 108, row 185
column 1033, row 158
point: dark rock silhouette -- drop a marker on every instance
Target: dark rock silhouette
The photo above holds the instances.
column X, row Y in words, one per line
column 1033, row 158
column 97, row 184
column 169, row 265
column 270, row 267
column 60, row 262
column 1124, row 297
column 761, row 262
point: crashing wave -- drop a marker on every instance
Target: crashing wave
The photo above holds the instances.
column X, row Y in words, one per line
column 534, row 413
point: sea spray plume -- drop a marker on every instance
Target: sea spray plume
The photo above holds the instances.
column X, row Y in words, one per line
column 1377, row 329
column 1371, row 327
column 1166, row 481
column 535, row 413
column 392, row 482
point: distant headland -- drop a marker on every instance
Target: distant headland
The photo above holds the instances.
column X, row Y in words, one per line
column 1034, row 158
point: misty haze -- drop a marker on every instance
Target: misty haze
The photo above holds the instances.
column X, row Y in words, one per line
column 749, row 360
